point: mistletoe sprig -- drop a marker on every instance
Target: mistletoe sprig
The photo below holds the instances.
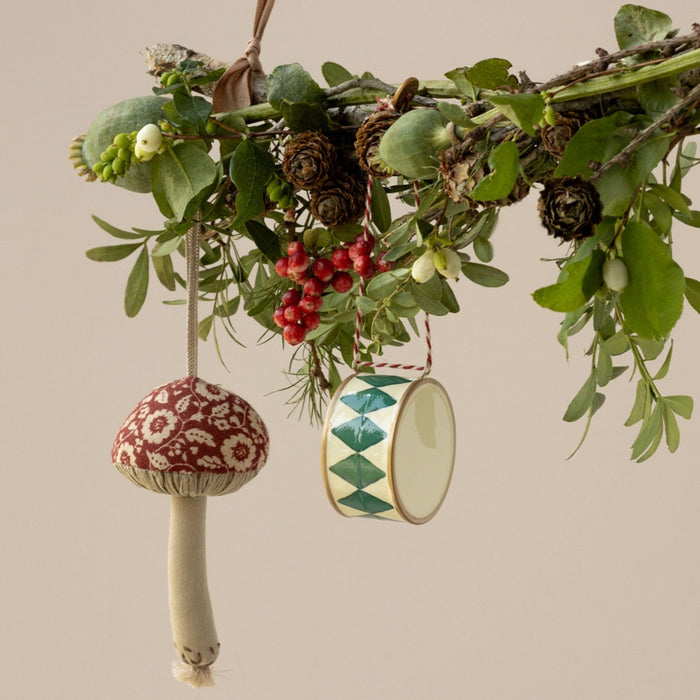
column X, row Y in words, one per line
column 281, row 189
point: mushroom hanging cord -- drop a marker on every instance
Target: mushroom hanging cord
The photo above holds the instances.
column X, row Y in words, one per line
column 192, row 259
column 235, row 87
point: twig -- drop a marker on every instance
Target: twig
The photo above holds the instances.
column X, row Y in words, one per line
column 622, row 158
column 317, row 370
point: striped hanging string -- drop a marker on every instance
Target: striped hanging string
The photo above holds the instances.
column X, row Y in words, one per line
column 356, row 362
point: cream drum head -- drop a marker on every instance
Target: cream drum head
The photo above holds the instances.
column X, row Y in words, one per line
column 388, row 447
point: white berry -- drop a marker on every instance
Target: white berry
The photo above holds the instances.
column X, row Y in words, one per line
column 149, row 138
column 447, row 263
column 423, row 267
column 615, row 274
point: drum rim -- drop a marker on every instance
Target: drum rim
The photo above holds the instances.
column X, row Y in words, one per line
column 399, row 505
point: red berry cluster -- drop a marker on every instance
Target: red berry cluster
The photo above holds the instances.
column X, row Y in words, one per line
column 299, row 310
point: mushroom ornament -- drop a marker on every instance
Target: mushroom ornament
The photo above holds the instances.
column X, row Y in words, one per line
column 191, row 439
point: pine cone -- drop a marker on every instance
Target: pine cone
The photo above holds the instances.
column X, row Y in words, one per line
column 570, row 208
column 341, row 201
column 555, row 138
column 463, row 174
column 309, row 160
column 367, row 142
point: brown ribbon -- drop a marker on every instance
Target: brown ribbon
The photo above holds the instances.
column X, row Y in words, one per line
column 235, row 87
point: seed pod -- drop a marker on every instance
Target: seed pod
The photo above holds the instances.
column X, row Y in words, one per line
column 412, row 144
column 423, row 267
column 615, row 274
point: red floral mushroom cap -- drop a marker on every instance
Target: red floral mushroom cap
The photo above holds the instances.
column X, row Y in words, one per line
column 191, row 438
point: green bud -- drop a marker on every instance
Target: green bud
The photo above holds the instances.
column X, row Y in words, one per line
column 122, row 141
column 111, row 152
column 107, row 172
column 173, row 78
column 210, row 127
column 550, row 116
column 124, row 154
column 118, row 166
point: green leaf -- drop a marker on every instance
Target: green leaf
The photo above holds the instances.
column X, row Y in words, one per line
column 663, row 370
column 250, row 170
column 604, row 370
column 455, row 114
column 617, row 344
column 673, row 435
column 204, row 327
column 491, row 74
column 163, row 265
column 485, row 275
column 525, row 111
column 692, row 293
column 504, row 162
column 424, row 296
column 657, row 97
column 114, row 231
column 334, row 74
column 459, row 78
column 291, row 83
column 266, row 240
column 636, row 25
column 601, row 140
column 651, row 429
column 448, row 298
column 192, row 109
column 385, row 283
column 137, row 285
column 305, row 116
column 181, row 177
column 641, row 404
column 680, row 405
column 381, row 208
column 672, row 197
column 167, row 246
column 692, row 218
column 653, row 300
column 483, row 249
column 111, row 253
column 582, row 401
column 577, row 283
column 365, row 305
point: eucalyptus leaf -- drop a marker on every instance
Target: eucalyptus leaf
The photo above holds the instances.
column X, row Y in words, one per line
column 483, row 249
column 137, row 285
column 305, row 116
column 426, row 301
column 181, row 177
column 192, row 109
column 291, row 83
column 385, row 283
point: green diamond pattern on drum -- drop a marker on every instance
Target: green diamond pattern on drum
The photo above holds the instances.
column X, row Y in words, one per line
column 360, row 500
column 359, row 433
column 358, row 471
column 368, row 400
column 383, row 380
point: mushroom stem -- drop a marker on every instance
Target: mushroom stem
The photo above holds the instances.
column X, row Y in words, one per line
column 194, row 633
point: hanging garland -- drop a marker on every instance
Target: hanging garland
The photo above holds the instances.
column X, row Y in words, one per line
column 277, row 175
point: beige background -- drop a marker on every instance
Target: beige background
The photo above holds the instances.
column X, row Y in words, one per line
column 539, row 579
